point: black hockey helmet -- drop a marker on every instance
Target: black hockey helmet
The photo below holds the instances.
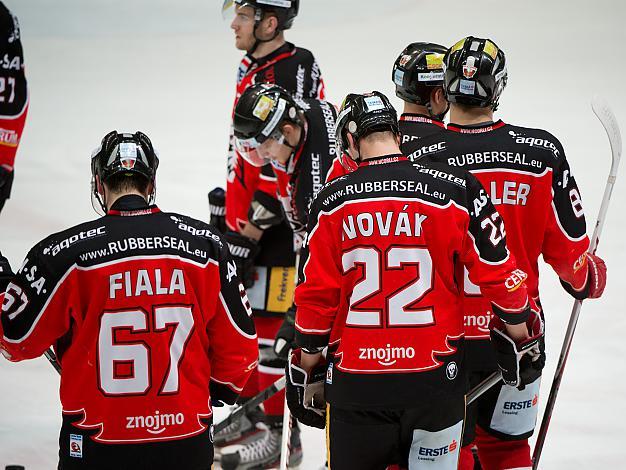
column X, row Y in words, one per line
column 259, row 114
column 475, row 73
column 123, row 153
column 417, row 70
column 284, row 10
column 360, row 115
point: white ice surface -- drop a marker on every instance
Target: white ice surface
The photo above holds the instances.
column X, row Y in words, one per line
column 167, row 67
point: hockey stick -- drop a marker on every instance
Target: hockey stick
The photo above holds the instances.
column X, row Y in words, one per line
column 52, row 358
column 482, row 387
column 607, row 118
column 239, row 411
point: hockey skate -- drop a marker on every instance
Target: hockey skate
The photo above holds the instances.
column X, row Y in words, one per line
column 239, row 432
column 263, row 452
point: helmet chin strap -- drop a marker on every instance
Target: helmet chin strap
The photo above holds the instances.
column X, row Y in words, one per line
column 258, row 16
column 439, row 116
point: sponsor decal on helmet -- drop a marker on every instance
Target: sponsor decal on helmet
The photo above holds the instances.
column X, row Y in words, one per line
column 276, row 3
column 263, row 107
column 128, row 155
column 458, row 45
column 469, row 67
column 467, row 87
column 374, row 103
column 434, row 61
column 398, row 77
column 490, row 49
column 430, row 77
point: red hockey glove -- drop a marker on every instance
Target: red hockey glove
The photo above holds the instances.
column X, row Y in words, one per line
column 596, row 280
column 520, row 363
column 305, row 392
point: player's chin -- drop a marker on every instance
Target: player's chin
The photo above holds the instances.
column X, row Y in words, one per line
column 242, row 44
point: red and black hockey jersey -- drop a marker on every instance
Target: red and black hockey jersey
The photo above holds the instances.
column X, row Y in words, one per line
column 413, row 128
column 305, row 173
column 382, row 273
column 531, row 185
column 148, row 319
column 13, row 89
column 294, row 69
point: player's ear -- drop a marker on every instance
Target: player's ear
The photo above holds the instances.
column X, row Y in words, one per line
column 99, row 186
column 438, row 96
column 270, row 25
column 353, row 149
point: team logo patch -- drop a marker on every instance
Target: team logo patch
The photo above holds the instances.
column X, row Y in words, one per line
column 452, row 370
column 76, row 446
column 263, row 107
column 329, row 374
column 404, row 60
column 469, row 67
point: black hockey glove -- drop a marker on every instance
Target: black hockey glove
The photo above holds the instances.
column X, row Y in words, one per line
column 305, row 392
column 286, row 335
column 217, row 206
column 520, row 364
column 265, row 211
column 5, row 272
column 243, row 251
column 6, row 181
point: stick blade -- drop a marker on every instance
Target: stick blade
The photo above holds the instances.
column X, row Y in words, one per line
column 603, row 111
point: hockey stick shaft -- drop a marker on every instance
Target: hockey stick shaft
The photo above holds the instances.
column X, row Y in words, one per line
column 52, row 358
column 239, row 411
column 482, row 387
column 606, row 117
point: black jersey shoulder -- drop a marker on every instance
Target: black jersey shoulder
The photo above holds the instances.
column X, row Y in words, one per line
column 430, row 182
column 505, row 146
column 297, row 72
column 112, row 238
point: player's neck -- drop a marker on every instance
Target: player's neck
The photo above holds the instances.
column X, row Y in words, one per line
column 466, row 116
column 111, row 198
column 412, row 108
column 266, row 48
column 378, row 149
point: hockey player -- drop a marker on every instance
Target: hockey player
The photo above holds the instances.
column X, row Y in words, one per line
column 13, row 98
column 530, row 183
column 418, row 77
column 147, row 316
column 384, row 247
column 297, row 137
column 267, row 268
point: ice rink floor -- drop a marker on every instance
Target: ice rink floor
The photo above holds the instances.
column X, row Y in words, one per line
column 168, row 68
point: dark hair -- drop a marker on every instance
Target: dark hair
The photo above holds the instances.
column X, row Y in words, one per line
column 127, row 182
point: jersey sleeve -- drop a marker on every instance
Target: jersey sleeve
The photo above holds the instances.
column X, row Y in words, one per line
column 37, row 307
column 488, row 260
column 317, row 296
column 14, row 92
column 233, row 347
column 565, row 241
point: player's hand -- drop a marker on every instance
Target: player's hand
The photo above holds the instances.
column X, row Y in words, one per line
column 520, row 363
column 217, row 207
column 243, row 251
column 596, row 280
column 305, row 392
column 286, row 335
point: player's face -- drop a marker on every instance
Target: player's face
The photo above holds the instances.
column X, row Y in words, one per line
column 243, row 26
column 271, row 149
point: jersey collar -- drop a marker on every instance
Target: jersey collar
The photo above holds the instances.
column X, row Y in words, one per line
column 382, row 160
column 132, row 205
column 476, row 128
column 286, row 49
column 413, row 117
